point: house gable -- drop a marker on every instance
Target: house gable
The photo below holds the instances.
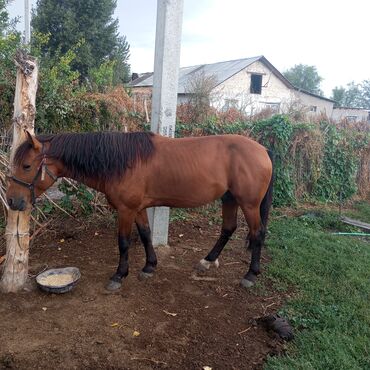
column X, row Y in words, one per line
column 275, row 92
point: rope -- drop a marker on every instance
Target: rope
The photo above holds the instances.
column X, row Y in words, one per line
column 21, row 235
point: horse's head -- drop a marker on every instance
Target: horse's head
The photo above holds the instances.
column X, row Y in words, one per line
column 32, row 174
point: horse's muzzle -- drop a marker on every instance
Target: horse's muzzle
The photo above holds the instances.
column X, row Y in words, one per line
column 17, row 204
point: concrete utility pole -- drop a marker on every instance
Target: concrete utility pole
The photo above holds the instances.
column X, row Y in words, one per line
column 27, row 26
column 165, row 86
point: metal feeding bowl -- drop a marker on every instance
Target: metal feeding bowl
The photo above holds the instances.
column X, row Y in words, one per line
column 61, row 280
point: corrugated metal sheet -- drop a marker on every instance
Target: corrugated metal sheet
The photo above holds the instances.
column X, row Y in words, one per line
column 221, row 72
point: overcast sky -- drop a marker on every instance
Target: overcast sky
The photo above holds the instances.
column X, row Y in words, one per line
column 332, row 35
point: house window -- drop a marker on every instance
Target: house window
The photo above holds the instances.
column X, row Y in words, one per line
column 273, row 107
column 230, row 103
column 313, row 108
column 256, row 84
column 351, row 118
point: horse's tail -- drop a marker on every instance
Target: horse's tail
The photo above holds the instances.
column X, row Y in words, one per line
column 267, row 199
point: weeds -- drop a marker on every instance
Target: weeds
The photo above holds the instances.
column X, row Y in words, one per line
column 178, row 214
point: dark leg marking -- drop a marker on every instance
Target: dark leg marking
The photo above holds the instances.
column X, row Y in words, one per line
column 255, row 237
column 151, row 258
column 255, row 245
column 115, row 281
column 220, row 244
column 229, row 223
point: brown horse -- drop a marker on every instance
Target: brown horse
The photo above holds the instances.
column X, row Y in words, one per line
column 140, row 170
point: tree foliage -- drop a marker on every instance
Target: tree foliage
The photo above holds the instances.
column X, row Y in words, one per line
column 4, row 16
column 304, row 77
column 10, row 40
column 89, row 23
column 353, row 95
column 7, row 24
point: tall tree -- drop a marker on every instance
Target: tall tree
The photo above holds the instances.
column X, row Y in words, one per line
column 69, row 22
column 355, row 95
column 4, row 16
column 10, row 41
column 338, row 94
column 304, row 77
column 365, row 87
column 6, row 24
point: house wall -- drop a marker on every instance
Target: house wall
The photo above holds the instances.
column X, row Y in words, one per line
column 274, row 91
column 314, row 105
column 237, row 90
column 351, row 115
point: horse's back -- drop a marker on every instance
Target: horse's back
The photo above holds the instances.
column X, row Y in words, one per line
column 216, row 151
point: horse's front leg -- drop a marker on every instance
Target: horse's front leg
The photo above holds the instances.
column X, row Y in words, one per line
column 125, row 220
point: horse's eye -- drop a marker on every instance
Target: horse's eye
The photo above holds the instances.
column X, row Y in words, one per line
column 26, row 167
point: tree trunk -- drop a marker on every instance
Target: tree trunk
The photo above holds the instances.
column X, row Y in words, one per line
column 15, row 270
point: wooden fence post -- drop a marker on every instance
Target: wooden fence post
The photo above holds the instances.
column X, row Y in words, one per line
column 15, row 270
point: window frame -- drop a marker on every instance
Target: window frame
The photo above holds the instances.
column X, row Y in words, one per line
column 256, row 83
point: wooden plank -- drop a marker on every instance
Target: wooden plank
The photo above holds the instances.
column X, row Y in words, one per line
column 351, row 221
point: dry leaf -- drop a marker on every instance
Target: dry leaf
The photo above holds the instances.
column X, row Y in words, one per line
column 135, row 333
column 170, row 313
column 181, row 235
column 207, row 368
column 44, row 308
column 114, row 325
column 61, row 240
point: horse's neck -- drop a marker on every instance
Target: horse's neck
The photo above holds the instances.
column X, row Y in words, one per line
column 91, row 183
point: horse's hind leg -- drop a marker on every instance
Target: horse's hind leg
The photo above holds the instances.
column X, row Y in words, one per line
column 229, row 224
column 256, row 238
column 143, row 228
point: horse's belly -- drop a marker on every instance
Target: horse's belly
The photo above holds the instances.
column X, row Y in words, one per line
column 189, row 194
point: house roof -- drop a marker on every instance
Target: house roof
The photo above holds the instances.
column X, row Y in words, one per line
column 221, row 72
column 312, row 94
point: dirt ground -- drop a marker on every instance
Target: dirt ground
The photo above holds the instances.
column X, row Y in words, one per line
column 175, row 320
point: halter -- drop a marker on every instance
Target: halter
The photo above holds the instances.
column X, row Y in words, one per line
column 42, row 169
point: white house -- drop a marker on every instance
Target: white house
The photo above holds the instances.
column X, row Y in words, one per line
column 345, row 114
column 252, row 84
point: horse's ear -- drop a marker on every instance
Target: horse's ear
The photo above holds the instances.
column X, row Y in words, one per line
column 33, row 141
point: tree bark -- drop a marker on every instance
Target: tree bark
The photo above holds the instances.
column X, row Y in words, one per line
column 15, row 270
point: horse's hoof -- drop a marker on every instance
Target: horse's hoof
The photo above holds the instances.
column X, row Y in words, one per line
column 113, row 285
column 203, row 265
column 145, row 275
column 246, row 283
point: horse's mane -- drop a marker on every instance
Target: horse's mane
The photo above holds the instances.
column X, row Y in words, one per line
column 95, row 155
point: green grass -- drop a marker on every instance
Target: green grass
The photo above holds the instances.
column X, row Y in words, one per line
column 330, row 277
